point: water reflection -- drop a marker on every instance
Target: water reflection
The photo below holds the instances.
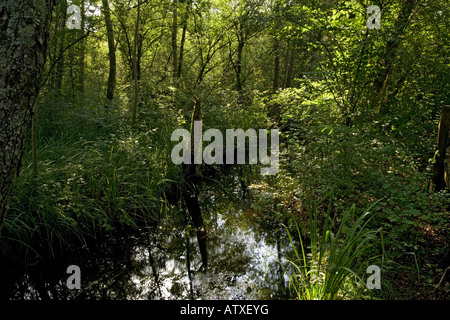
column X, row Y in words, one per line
column 164, row 262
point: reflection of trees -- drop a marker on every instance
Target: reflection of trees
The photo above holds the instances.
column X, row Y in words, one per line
column 162, row 261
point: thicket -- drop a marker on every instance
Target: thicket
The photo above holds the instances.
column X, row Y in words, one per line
column 358, row 111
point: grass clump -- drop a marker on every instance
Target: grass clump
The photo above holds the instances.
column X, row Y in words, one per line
column 326, row 269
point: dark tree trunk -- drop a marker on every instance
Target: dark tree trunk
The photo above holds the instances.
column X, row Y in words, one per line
column 111, row 52
column 62, row 41
column 440, row 175
column 276, row 64
column 183, row 39
column 290, row 67
column 240, row 49
column 24, row 33
column 135, row 66
column 174, row 40
column 82, row 49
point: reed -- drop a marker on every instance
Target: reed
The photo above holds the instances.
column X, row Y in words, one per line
column 324, row 270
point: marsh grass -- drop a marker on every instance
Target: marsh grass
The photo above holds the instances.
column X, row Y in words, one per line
column 93, row 178
column 326, row 269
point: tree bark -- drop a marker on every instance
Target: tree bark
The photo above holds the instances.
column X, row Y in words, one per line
column 174, row 40
column 60, row 65
column 82, row 49
column 24, row 33
column 111, row 52
column 183, row 39
column 290, row 67
column 135, row 66
column 34, row 143
column 276, row 64
column 440, row 177
column 240, row 49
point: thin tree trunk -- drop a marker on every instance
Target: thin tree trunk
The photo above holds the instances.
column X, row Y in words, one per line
column 290, row 68
column 354, row 96
column 395, row 38
column 174, row 40
column 276, row 64
column 23, row 47
column 276, row 47
column 438, row 181
column 111, row 52
column 240, row 50
column 34, row 142
column 135, row 68
column 287, row 59
column 60, row 64
column 183, row 39
column 82, row 49
column 138, row 57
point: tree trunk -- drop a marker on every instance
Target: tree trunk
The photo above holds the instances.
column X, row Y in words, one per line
column 276, row 64
column 440, row 173
column 174, row 40
column 62, row 41
column 24, row 32
column 111, row 52
column 135, row 68
column 240, row 49
column 82, row 49
column 395, row 38
column 34, row 142
column 290, row 67
column 183, row 39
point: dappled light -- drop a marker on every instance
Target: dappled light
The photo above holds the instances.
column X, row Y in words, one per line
column 217, row 150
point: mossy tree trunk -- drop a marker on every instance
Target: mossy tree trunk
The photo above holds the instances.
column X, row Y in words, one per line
column 24, row 33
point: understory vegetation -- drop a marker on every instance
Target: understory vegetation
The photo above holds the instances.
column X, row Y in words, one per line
column 358, row 112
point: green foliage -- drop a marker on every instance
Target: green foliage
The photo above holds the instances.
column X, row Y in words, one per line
column 93, row 177
column 325, row 269
column 380, row 158
column 358, row 110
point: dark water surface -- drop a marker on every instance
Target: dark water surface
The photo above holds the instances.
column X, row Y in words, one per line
column 163, row 261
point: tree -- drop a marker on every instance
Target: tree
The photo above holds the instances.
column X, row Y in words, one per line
column 392, row 45
column 247, row 22
column 62, row 41
column 135, row 64
column 183, row 39
column 174, row 40
column 111, row 52
column 82, row 49
column 24, row 34
column 439, row 179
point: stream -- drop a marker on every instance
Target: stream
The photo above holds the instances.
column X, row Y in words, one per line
column 163, row 261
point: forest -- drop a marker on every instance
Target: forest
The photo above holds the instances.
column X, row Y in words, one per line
column 224, row 150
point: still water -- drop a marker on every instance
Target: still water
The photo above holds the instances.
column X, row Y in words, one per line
column 162, row 261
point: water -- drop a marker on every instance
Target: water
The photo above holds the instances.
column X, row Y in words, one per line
column 244, row 246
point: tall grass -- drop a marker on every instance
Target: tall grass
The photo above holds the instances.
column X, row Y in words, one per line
column 324, row 270
column 94, row 176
